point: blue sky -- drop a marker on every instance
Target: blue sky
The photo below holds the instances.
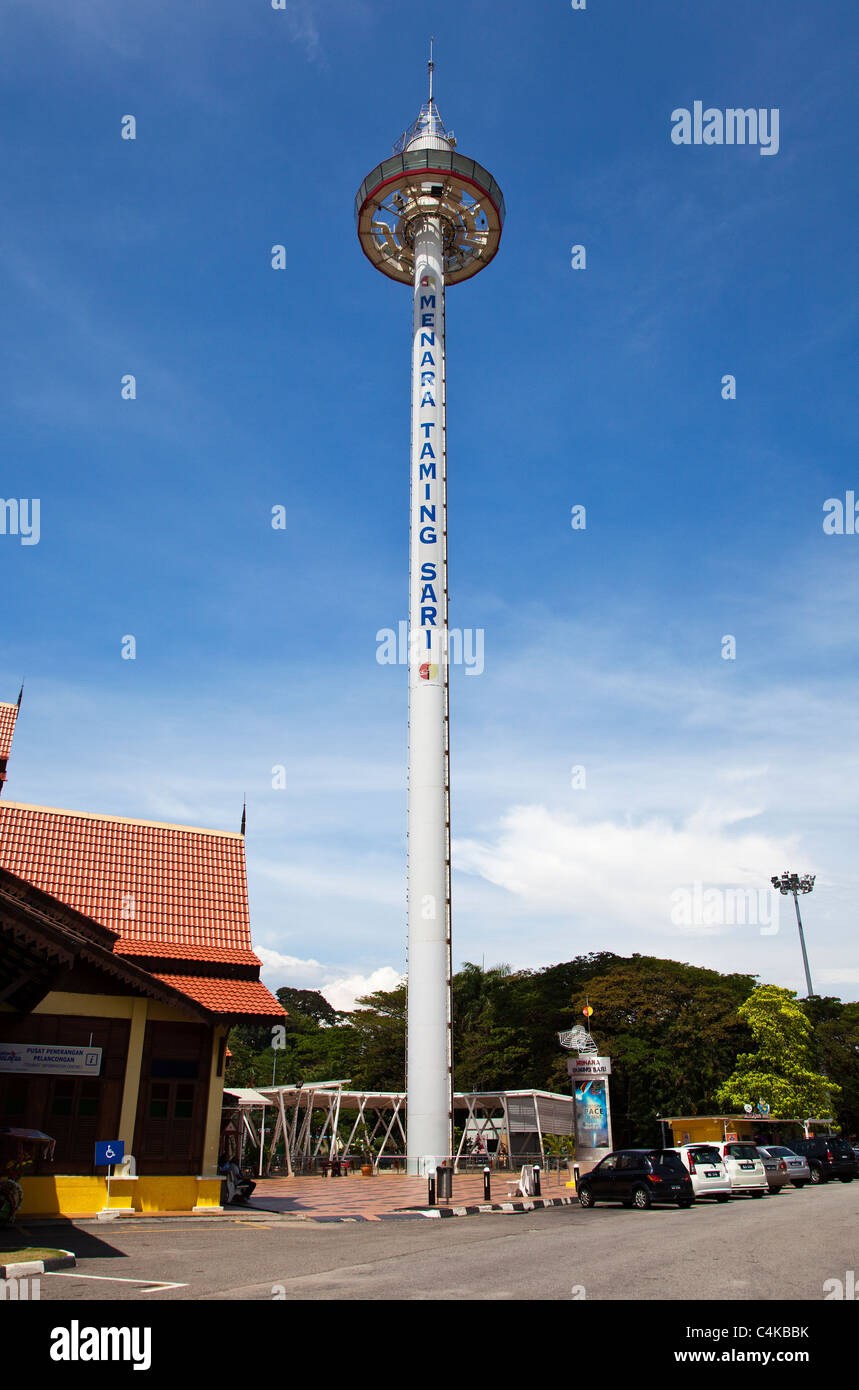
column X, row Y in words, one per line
column 599, row 387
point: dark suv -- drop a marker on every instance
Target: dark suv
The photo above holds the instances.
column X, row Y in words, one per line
column 638, row 1178
column 828, row 1157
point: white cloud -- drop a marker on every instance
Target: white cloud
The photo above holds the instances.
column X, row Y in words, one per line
column 617, row 872
column 340, row 988
column 343, row 993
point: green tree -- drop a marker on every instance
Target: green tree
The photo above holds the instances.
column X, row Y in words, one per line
column 781, row 1069
column 379, row 1028
column 836, row 1033
column 672, row 1032
column 309, row 1003
column 505, row 1022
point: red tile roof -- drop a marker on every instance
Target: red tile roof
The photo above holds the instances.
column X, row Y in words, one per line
column 247, row 997
column 166, row 886
column 168, row 891
column 8, row 715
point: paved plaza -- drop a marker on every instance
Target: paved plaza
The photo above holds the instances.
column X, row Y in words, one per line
column 388, row 1194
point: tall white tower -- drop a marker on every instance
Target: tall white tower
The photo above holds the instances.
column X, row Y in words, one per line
column 429, row 217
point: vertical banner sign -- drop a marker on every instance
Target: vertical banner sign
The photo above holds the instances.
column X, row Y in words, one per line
column 592, row 1115
column 429, row 1074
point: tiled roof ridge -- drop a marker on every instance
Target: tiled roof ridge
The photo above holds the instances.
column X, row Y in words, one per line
column 124, row 820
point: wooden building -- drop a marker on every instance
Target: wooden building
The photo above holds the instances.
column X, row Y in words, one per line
column 125, row 959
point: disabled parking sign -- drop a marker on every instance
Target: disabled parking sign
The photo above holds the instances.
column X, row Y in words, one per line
column 108, row 1152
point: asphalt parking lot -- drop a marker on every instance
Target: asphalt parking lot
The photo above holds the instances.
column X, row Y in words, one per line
column 777, row 1248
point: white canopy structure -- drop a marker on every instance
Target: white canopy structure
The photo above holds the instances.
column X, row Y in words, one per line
column 237, row 1123
column 516, row 1120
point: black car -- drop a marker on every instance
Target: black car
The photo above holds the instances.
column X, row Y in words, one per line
column 828, row 1157
column 638, row 1178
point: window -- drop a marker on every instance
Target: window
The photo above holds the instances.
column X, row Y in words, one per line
column 15, row 1102
column 183, row 1107
column 159, row 1100
column 88, row 1097
column 668, row 1160
column 175, row 1068
column 607, row 1164
column 64, row 1094
column 741, row 1151
column 704, row 1155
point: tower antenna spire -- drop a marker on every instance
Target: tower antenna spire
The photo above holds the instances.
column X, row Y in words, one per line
column 431, row 66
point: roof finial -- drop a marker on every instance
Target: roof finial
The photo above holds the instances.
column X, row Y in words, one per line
column 20, row 694
column 244, row 815
column 431, row 66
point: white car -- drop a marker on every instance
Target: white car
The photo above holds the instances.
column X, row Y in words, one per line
column 707, row 1171
column 745, row 1167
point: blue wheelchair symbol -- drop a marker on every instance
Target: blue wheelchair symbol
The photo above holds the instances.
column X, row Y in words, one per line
column 108, row 1152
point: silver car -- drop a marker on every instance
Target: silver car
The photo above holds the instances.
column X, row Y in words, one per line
column 775, row 1169
column 796, row 1166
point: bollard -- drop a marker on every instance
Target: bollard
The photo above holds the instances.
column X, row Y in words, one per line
column 576, row 1175
column 537, row 1192
column 431, row 1193
column 444, row 1183
column 487, row 1189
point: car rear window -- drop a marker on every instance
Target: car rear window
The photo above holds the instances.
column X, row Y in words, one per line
column 838, row 1146
column 667, row 1158
column 741, row 1151
column 704, row 1155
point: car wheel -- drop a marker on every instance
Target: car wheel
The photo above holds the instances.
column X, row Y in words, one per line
column 848, row 1179
column 586, row 1197
column 684, row 1203
column 758, row 1193
column 816, row 1175
column 723, row 1197
column 801, row 1182
column 641, row 1198
column 774, row 1191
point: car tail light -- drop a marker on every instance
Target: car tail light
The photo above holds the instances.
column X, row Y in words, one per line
column 653, row 1177
column 829, row 1155
column 782, row 1165
column 692, row 1168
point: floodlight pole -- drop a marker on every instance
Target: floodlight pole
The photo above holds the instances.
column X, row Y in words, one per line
column 808, row 983
column 792, row 883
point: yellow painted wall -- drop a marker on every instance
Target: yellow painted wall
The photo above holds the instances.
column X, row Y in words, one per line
column 131, row 1082
column 106, row 1006
column 215, row 1107
column 84, row 1196
column 708, row 1128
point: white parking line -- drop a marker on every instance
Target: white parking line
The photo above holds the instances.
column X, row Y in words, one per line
column 151, row 1284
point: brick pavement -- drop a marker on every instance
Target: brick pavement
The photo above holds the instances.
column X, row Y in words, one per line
column 387, row 1194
